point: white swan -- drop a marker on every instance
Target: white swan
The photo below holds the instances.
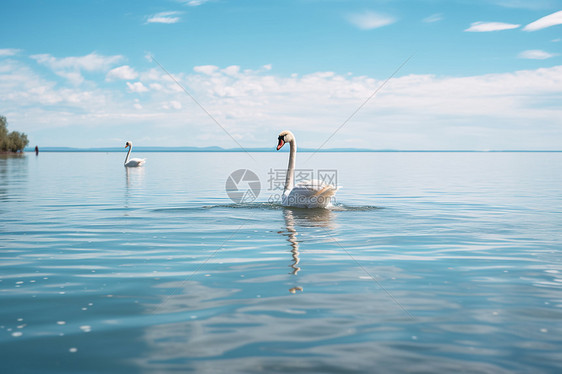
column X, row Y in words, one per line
column 134, row 162
column 309, row 194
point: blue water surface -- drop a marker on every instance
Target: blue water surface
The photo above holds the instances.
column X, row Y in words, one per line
column 429, row 262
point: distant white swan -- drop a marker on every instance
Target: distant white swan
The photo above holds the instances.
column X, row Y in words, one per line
column 309, row 194
column 134, row 162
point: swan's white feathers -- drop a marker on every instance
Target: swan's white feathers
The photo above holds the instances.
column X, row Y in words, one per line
column 133, row 162
column 310, row 194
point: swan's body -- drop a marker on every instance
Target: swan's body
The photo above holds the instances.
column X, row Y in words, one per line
column 309, row 194
column 133, row 162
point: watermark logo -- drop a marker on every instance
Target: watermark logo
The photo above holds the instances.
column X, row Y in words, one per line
column 243, row 186
column 276, row 177
column 314, row 179
column 328, row 176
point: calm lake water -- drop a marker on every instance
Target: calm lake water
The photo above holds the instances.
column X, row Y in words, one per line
column 430, row 262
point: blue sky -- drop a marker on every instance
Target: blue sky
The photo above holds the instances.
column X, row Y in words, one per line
column 483, row 74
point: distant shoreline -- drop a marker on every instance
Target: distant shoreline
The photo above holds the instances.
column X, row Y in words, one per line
column 265, row 150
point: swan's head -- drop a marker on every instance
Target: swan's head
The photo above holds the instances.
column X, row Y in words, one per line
column 285, row 137
column 128, row 144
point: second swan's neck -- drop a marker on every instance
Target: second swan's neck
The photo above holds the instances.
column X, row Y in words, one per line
column 128, row 153
column 290, row 177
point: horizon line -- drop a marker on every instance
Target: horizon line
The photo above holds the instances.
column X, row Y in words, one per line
column 217, row 149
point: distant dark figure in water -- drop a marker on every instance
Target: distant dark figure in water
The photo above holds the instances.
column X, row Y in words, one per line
column 36, row 150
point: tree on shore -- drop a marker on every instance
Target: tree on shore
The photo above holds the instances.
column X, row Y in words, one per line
column 11, row 141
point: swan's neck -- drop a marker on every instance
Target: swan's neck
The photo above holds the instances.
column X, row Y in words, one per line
column 128, row 154
column 290, row 177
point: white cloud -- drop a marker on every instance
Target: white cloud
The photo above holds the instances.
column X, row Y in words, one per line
column 232, row 70
column 164, row 17
column 255, row 102
column 6, row 52
column 156, row 86
column 412, row 111
column 149, row 56
column 490, row 26
column 37, row 102
column 154, row 74
column 71, row 68
column 206, row 69
column 90, row 62
column 525, row 4
column 136, row 87
column 74, row 77
column 172, row 105
column 544, row 22
column 196, row 2
column 433, row 18
column 535, row 54
column 370, row 20
column 122, row 72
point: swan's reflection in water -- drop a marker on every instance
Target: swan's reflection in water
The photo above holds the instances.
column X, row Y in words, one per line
column 134, row 179
column 134, row 176
column 295, row 217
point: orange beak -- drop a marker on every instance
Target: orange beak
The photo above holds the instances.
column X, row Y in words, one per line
column 281, row 144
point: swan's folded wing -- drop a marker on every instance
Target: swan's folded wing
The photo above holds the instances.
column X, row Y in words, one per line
column 327, row 191
column 315, row 188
